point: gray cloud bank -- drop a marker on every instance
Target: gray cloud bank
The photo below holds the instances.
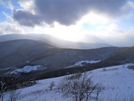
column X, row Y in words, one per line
column 67, row 12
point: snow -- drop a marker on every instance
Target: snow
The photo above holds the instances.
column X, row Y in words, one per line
column 28, row 69
column 118, row 83
column 80, row 63
column 6, row 68
column 86, row 61
column 27, row 61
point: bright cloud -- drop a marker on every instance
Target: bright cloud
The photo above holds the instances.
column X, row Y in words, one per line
column 9, row 28
column 93, row 21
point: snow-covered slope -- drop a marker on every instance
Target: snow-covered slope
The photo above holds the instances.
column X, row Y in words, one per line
column 118, row 83
column 27, row 69
column 81, row 63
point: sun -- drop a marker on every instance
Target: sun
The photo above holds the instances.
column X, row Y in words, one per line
column 70, row 33
column 75, row 32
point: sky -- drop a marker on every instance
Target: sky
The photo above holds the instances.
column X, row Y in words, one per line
column 90, row 21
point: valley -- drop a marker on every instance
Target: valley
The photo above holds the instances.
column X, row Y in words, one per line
column 24, row 61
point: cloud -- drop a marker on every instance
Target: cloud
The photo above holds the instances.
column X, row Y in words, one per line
column 67, row 12
column 7, row 3
column 111, row 34
column 26, row 18
column 9, row 18
column 114, row 36
column 127, row 39
column 2, row 31
column 88, row 38
column 9, row 28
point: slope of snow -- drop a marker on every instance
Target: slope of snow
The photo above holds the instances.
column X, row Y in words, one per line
column 6, row 68
column 118, row 83
column 81, row 63
column 28, row 69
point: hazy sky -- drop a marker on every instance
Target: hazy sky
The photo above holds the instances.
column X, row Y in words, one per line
column 95, row 21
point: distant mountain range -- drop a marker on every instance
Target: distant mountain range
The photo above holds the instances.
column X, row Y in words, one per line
column 53, row 41
column 21, row 52
column 17, row 52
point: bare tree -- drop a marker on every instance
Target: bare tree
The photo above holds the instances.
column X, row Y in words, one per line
column 14, row 95
column 79, row 89
column 2, row 90
column 51, row 85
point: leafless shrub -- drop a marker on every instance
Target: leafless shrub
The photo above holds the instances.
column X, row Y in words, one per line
column 79, row 89
column 74, row 76
column 2, row 85
column 51, row 85
column 14, row 95
column 26, row 84
column 130, row 67
column 104, row 69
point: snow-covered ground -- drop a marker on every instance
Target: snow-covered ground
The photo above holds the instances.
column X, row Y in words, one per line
column 28, row 69
column 117, row 80
column 6, row 68
column 81, row 63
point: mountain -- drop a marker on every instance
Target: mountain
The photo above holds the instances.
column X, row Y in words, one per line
column 16, row 52
column 28, row 58
column 53, row 41
column 19, row 53
column 125, row 55
column 25, row 60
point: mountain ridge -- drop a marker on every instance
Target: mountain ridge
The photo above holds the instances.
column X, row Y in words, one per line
column 48, row 39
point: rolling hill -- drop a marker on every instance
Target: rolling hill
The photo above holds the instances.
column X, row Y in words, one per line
column 51, row 40
column 22, row 52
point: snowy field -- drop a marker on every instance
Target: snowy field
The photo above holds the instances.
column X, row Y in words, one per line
column 27, row 69
column 118, row 82
column 80, row 63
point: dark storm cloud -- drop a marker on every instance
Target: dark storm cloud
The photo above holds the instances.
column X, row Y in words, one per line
column 67, row 12
column 27, row 18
